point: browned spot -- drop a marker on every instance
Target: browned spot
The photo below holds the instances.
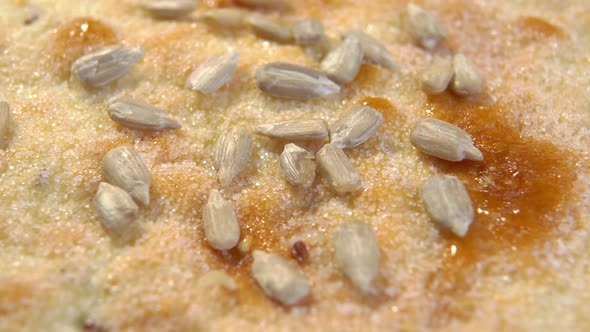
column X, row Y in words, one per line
column 537, row 29
column 263, row 216
column 517, row 191
column 157, row 315
column 18, row 294
column 170, row 148
column 167, row 52
column 220, row 3
column 76, row 37
column 367, row 75
column 185, row 186
column 392, row 117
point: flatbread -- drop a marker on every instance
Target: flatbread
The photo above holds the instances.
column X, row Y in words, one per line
column 523, row 266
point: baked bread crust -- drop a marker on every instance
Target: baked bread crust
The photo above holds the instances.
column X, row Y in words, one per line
column 523, row 266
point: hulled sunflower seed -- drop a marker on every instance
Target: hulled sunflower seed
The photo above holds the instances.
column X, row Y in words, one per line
column 444, row 140
column 297, row 165
column 354, row 126
column 216, row 278
column 213, row 73
column 357, row 254
column 269, row 29
column 343, row 63
column 278, row 278
column 425, row 26
column 169, row 8
column 5, row 123
column 222, row 229
column 227, row 17
column 286, row 80
column 137, row 114
column 319, row 50
column 124, row 168
column 374, row 52
column 337, row 170
column 447, row 202
column 232, row 151
column 437, row 76
column 117, row 212
column 105, row 65
column 467, row 78
column 295, row 130
column 308, row 31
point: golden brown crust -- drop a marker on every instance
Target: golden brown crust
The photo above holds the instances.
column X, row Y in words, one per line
column 523, row 265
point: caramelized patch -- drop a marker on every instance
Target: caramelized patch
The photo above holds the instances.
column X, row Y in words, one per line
column 18, row 294
column 517, row 191
column 170, row 148
column 263, row 215
column 186, row 186
column 391, row 115
column 537, row 29
column 367, row 75
column 220, row 3
column 76, row 37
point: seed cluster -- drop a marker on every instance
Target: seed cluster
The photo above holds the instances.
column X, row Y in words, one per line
column 126, row 178
column 459, row 74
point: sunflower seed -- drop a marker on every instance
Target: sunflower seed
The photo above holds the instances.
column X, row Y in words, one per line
column 319, row 50
column 286, row 80
column 213, row 73
column 308, row 31
column 297, row 165
column 354, row 126
column 467, row 78
column 266, row 28
column 444, row 140
column 232, row 151
column 337, row 170
column 279, row 279
column 124, row 168
column 264, row 4
column 425, row 26
column 140, row 115
column 215, row 278
column 222, row 230
column 117, row 212
column 374, row 51
column 227, row 17
column 447, row 202
column 169, row 8
column 357, row 254
column 437, row 76
column 105, row 65
column 5, row 122
column 343, row 63
column 295, row 130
